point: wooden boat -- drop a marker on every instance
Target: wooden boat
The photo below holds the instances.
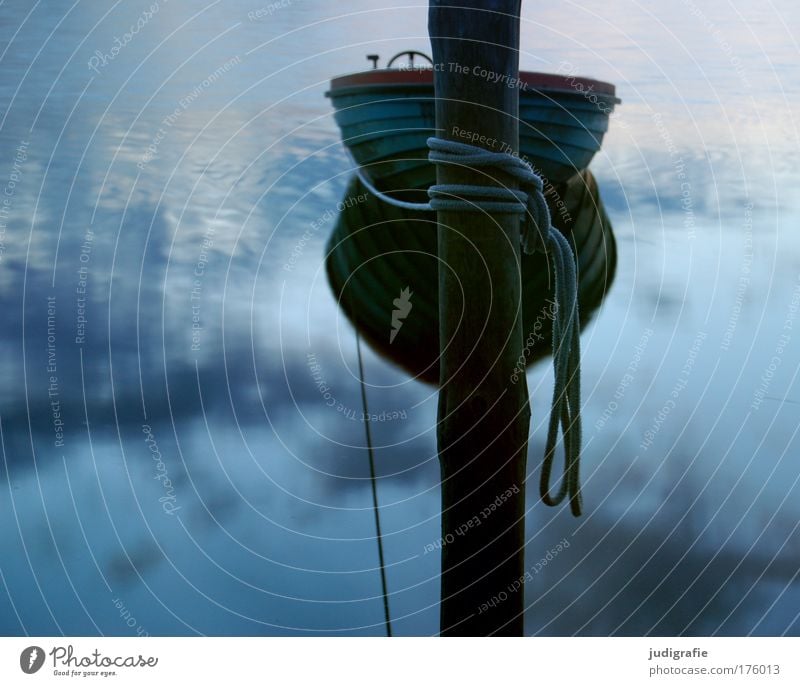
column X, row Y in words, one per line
column 376, row 251
column 386, row 116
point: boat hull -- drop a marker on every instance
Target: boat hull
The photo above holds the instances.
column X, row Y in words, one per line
column 377, row 250
column 386, row 116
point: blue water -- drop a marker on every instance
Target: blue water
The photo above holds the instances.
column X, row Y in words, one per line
column 171, row 467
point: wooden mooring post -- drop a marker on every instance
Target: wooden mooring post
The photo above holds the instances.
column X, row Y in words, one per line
column 484, row 416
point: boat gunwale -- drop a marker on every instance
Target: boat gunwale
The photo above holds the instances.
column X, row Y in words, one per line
column 422, row 92
column 537, row 82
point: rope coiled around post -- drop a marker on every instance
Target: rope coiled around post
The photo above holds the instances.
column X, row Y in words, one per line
column 537, row 234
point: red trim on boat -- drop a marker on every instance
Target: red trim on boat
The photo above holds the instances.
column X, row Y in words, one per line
column 424, row 77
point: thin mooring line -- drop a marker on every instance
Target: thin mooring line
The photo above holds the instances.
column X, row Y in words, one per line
column 374, row 487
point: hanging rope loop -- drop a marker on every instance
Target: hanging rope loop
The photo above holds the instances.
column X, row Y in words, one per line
column 537, row 235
